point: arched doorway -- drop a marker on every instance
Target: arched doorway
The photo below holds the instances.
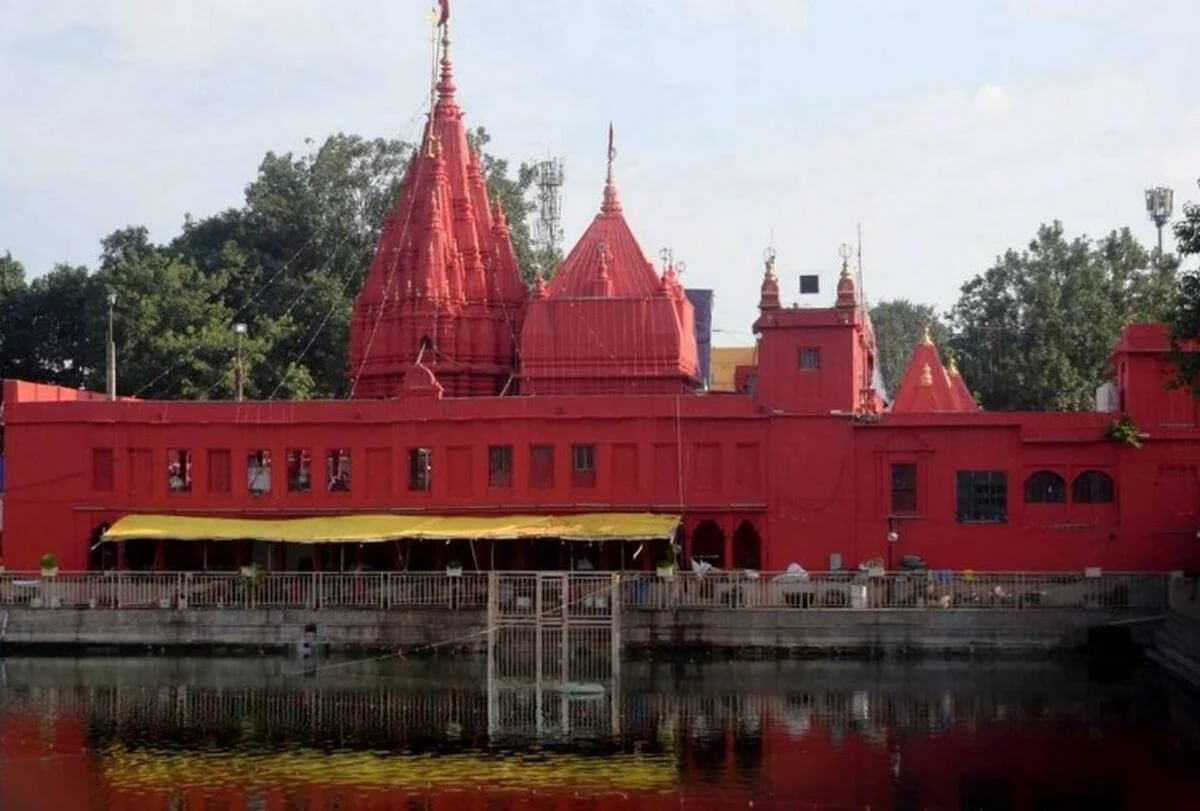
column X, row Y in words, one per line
column 747, row 547
column 708, row 543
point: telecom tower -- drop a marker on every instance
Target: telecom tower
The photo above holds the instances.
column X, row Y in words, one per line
column 547, row 232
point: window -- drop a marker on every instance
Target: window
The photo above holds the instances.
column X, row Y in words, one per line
column 500, row 466
column 299, row 470
column 541, row 467
column 102, row 470
column 810, row 359
column 904, row 488
column 337, row 470
column 218, row 471
column 179, row 470
column 258, row 473
column 1045, row 487
column 583, row 465
column 420, row 469
column 1092, row 487
column 982, row 496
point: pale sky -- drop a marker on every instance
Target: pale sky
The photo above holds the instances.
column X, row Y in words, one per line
column 949, row 129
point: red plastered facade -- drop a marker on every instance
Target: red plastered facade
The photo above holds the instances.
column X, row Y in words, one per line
column 470, row 396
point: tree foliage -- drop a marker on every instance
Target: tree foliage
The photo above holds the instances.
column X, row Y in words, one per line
column 1185, row 314
column 1034, row 331
column 899, row 324
column 287, row 263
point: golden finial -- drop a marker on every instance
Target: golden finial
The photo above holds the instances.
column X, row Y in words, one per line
column 952, row 367
column 769, row 262
column 845, row 251
column 926, row 338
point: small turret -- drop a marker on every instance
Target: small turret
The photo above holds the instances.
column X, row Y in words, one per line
column 768, row 298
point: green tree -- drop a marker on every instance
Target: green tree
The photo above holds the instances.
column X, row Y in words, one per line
column 1185, row 311
column 899, row 324
column 13, row 292
column 1034, row 331
column 287, row 263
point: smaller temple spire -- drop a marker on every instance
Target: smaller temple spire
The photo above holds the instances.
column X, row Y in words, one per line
column 612, row 202
column 769, row 291
column 847, row 296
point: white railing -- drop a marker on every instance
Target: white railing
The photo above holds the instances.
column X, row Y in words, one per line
column 896, row 590
column 588, row 594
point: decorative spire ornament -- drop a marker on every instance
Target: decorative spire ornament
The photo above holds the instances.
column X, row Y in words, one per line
column 612, row 202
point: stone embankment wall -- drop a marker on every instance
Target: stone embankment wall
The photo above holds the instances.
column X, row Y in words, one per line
column 1177, row 643
column 820, row 631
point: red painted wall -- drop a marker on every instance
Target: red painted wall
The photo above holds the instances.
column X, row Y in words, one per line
column 807, row 475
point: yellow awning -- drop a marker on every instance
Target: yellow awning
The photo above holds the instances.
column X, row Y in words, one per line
column 133, row 769
column 369, row 528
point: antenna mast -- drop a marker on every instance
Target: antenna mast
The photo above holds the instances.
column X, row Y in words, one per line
column 547, row 231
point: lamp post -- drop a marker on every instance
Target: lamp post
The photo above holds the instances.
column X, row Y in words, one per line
column 110, row 352
column 1159, row 202
column 239, row 375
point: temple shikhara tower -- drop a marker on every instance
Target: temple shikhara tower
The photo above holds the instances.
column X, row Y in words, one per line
column 565, row 424
column 443, row 291
column 607, row 323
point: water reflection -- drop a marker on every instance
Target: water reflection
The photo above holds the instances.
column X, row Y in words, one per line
column 251, row 734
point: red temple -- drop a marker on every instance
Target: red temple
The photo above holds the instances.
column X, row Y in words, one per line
column 472, row 396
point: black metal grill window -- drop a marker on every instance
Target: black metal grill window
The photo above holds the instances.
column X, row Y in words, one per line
column 982, row 496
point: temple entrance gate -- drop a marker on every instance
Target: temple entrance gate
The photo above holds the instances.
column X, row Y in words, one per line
column 554, row 645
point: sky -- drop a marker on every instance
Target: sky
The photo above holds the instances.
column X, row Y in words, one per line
column 949, row 130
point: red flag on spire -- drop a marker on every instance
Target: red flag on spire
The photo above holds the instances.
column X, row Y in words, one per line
column 445, row 15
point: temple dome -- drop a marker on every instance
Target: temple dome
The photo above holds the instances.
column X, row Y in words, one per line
column 608, row 323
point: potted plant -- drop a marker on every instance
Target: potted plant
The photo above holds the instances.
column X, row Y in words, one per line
column 49, row 565
column 253, row 575
column 1124, row 430
column 666, row 564
column 454, row 569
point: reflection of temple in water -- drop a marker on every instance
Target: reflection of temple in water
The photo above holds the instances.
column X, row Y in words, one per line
column 846, row 735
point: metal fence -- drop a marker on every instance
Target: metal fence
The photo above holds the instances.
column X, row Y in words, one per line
column 587, row 594
column 896, row 590
column 224, row 590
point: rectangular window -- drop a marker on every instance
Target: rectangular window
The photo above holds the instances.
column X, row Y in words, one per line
column 420, row 469
column 541, row 467
column 299, row 470
column 810, row 359
column 218, row 471
column 179, row 470
column 583, row 465
column 982, row 496
column 102, row 470
column 904, row 488
column 500, row 466
column 258, row 473
column 337, row 470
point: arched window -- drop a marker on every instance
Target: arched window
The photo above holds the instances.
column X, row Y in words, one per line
column 1045, row 487
column 1092, row 487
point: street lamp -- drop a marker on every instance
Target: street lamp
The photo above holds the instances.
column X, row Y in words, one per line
column 1159, row 202
column 110, row 352
column 239, row 329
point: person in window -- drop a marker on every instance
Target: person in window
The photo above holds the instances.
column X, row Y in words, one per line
column 340, row 483
column 175, row 479
column 258, row 475
column 300, row 479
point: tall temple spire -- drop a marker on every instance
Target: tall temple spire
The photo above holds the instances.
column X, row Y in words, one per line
column 612, row 202
column 443, row 269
